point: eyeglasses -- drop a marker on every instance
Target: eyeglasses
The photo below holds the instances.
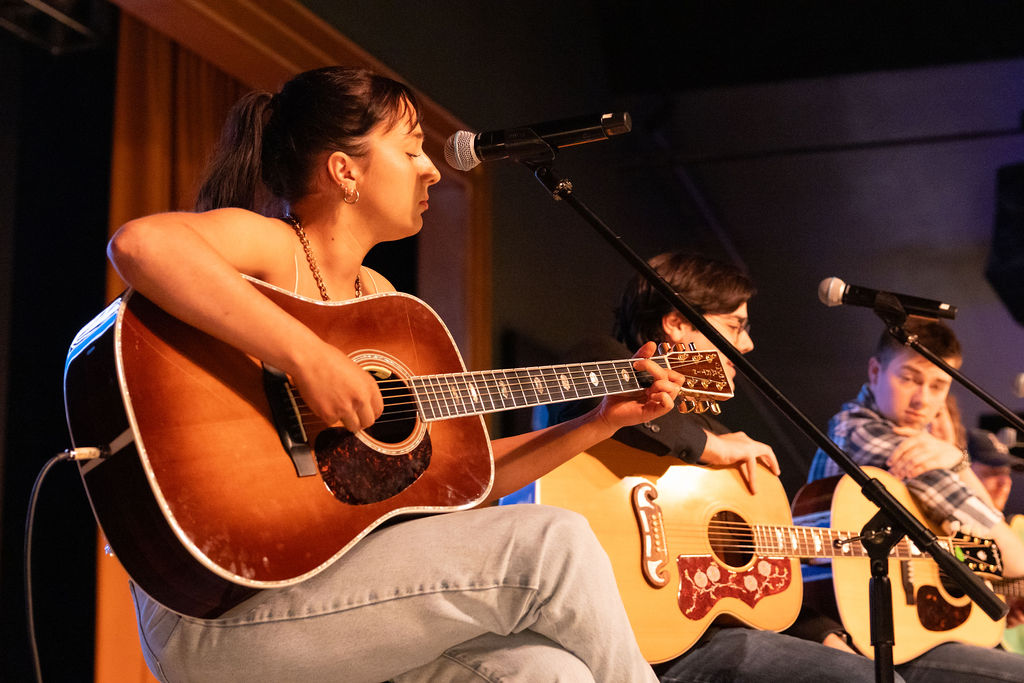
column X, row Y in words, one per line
column 735, row 324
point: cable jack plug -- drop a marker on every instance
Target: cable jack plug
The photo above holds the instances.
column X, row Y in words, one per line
column 84, row 453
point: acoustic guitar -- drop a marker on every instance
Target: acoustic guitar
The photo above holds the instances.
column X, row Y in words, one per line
column 928, row 608
column 690, row 545
column 216, row 481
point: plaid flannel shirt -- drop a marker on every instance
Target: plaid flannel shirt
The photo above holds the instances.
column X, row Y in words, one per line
column 868, row 437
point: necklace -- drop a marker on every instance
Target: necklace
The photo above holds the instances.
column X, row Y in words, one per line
column 313, row 267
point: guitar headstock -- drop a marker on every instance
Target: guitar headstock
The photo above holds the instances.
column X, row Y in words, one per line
column 981, row 555
column 705, row 382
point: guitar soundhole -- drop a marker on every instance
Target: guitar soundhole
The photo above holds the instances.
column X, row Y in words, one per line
column 398, row 421
column 731, row 539
column 936, row 614
column 382, row 460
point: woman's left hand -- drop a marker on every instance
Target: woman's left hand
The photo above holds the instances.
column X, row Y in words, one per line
column 623, row 410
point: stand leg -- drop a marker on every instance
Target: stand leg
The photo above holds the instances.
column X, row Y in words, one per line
column 881, row 622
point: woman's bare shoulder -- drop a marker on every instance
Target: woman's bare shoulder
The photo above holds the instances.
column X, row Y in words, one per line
column 257, row 245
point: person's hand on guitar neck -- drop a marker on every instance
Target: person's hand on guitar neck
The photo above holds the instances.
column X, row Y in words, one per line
column 741, row 451
column 625, row 410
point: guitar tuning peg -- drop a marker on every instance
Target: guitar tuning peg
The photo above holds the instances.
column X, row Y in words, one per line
column 693, row 347
column 700, row 406
column 687, row 405
column 714, row 408
column 664, row 349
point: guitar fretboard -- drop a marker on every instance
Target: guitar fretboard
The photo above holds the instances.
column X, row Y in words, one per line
column 1013, row 588
column 445, row 396
column 808, row 541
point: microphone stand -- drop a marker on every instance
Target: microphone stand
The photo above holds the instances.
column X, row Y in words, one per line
column 885, row 529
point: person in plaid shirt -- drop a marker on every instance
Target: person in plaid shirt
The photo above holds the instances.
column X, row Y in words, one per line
column 900, row 422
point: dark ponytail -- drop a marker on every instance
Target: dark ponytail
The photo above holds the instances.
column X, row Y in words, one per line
column 270, row 144
column 234, row 175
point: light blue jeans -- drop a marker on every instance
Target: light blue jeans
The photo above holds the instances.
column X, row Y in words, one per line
column 516, row 593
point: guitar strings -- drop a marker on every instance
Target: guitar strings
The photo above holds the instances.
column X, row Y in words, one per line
column 448, row 390
column 740, row 536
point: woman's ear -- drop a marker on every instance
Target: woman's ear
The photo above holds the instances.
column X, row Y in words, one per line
column 341, row 169
column 342, row 174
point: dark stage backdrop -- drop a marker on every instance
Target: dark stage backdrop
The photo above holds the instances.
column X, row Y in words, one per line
column 55, row 224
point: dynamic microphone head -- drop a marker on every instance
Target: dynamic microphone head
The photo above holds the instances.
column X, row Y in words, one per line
column 459, row 151
column 830, row 291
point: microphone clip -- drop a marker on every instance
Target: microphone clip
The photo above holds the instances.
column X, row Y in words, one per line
column 889, row 309
column 526, row 146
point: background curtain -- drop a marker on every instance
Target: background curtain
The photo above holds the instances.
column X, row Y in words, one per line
column 170, row 106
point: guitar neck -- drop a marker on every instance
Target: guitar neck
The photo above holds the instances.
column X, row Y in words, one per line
column 819, row 542
column 1012, row 588
column 440, row 397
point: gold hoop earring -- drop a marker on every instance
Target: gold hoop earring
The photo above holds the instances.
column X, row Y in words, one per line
column 351, row 195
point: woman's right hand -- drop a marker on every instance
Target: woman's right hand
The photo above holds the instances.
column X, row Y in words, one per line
column 338, row 390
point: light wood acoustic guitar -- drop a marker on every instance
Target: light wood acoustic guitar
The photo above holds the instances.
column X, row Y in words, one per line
column 217, row 481
column 690, row 545
column 928, row 608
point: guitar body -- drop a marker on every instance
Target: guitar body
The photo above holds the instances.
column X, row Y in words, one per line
column 661, row 524
column 926, row 613
column 199, row 497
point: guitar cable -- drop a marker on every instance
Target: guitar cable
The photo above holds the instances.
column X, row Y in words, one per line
column 70, row 454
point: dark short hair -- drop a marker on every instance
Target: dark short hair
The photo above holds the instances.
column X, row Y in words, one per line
column 931, row 334
column 709, row 285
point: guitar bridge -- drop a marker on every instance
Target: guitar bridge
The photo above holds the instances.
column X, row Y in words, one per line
column 284, row 412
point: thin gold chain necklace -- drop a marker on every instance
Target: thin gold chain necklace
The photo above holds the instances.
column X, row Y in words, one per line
column 313, row 267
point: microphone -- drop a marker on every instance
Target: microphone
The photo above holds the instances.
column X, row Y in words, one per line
column 465, row 150
column 834, row 292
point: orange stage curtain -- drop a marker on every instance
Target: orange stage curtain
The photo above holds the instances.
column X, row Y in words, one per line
column 168, row 114
column 169, row 108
